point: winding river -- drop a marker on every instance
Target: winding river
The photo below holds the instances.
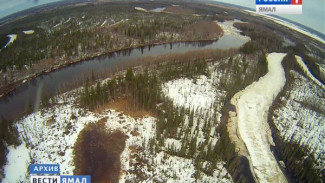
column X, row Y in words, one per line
column 252, row 105
column 28, row 94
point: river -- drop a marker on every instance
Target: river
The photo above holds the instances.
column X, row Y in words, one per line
column 28, row 94
column 252, row 105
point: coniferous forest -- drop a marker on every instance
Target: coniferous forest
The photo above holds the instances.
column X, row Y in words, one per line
column 148, row 108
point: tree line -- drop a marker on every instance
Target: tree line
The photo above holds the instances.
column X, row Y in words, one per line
column 141, row 89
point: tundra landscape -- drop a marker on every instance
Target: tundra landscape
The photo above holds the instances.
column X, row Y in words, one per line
column 161, row 91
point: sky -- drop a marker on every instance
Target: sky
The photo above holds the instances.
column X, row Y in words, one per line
column 8, row 7
column 313, row 11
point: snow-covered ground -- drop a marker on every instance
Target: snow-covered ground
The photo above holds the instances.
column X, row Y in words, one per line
column 105, row 21
column 190, row 94
column 301, row 117
column 29, row 32
column 119, row 22
column 49, row 136
column 252, row 105
column 140, row 9
column 18, row 162
column 48, row 139
column 157, row 10
column 307, row 72
column 139, row 132
column 229, row 29
column 199, row 94
column 57, row 25
column 12, row 38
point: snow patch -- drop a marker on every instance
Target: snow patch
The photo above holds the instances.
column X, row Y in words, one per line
column 157, row 10
column 307, row 72
column 229, row 29
column 68, row 20
column 29, row 32
column 17, row 165
column 199, row 94
column 176, row 144
column 103, row 23
column 140, row 9
column 119, row 22
column 12, row 38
